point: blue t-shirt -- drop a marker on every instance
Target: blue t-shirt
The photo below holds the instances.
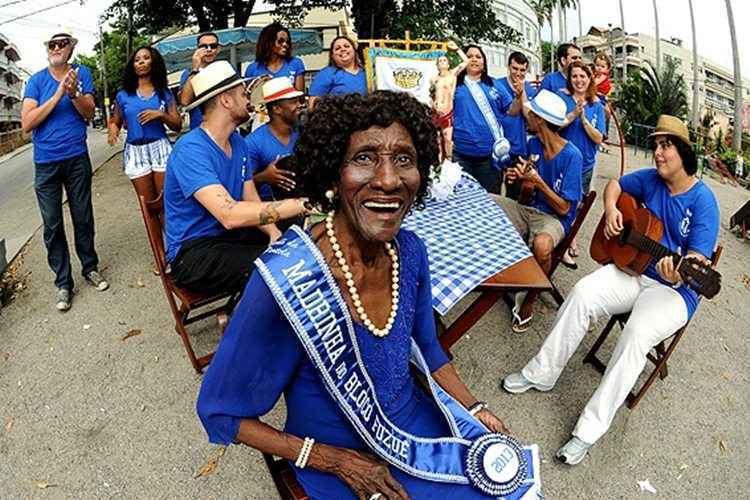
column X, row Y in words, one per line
column 263, row 148
column 576, row 134
column 563, row 175
column 333, row 80
column 690, row 219
column 62, row 135
column 196, row 115
column 291, row 69
column 471, row 134
column 514, row 126
column 196, row 162
column 132, row 105
column 554, row 82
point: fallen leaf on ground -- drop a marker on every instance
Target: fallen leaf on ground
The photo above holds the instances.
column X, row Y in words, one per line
column 646, row 486
column 723, row 446
column 725, row 346
column 683, row 466
column 131, row 333
column 140, row 282
column 6, row 356
column 727, row 376
column 43, row 485
column 8, row 424
column 210, row 466
column 746, row 280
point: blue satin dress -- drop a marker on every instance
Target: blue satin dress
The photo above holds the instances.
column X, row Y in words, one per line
column 259, row 359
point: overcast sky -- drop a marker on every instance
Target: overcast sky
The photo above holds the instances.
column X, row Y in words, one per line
column 674, row 20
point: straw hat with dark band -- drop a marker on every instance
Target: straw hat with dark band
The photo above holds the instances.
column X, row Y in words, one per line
column 62, row 36
column 212, row 81
column 671, row 125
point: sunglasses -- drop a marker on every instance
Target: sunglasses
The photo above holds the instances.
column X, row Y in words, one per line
column 209, row 46
column 58, row 44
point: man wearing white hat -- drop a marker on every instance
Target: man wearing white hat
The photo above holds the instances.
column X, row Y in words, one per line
column 57, row 103
column 275, row 140
column 214, row 218
column 658, row 301
column 556, row 179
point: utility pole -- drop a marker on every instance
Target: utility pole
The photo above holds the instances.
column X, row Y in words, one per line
column 104, row 75
column 129, row 49
column 694, row 111
column 624, row 48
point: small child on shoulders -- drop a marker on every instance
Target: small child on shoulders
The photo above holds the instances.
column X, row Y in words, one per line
column 602, row 67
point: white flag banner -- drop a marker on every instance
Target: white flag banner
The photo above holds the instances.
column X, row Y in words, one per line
column 405, row 71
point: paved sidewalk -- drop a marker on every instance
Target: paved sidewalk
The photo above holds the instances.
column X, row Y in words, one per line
column 89, row 415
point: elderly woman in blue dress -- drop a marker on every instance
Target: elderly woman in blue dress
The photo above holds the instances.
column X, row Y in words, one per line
column 333, row 315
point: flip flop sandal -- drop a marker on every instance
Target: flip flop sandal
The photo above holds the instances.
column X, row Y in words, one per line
column 520, row 325
column 573, row 252
column 569, row 264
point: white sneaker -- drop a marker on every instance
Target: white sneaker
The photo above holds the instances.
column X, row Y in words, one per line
column 516, row 383
column 62, row 301
column 97, row 281
column 573, row 452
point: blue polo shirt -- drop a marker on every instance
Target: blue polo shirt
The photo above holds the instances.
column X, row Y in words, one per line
column 690, row 219
column 291, row 69
column 563, row 174
column 131, row 105
column 554, row 82
column 335, row 81
column 196, row 162
column 196, row 115
column 263, row 148
column 576, row 134
column 514, row 126
column 62, row 135
column 471, row 134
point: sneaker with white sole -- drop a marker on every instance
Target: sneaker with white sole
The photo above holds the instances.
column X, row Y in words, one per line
column 97, row 281
column 516, row 383
column 573, row 452
column 63, row 299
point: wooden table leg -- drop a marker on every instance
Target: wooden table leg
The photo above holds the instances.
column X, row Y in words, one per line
column 468, row 318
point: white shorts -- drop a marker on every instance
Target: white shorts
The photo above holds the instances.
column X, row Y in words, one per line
column 142, row 159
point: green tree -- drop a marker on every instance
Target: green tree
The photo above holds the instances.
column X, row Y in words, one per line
column 154, row 16
column 646, row 95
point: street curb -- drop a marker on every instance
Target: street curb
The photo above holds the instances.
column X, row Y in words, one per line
column 11, row 258
column 15, row 152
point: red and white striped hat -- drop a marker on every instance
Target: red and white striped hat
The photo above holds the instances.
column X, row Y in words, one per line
column 279, row 88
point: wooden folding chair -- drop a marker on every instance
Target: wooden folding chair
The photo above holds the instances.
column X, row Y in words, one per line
column 284, row 478
column 562, row 247
column 659, row 358
column 152, row 212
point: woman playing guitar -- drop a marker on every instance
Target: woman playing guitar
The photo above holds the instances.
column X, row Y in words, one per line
column 659, row 302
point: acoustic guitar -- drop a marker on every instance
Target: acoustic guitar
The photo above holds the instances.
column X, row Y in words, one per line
column 638, row 244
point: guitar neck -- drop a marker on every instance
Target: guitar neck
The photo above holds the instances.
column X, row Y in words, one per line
column 653, row 248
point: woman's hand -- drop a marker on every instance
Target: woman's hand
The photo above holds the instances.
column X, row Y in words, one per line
column 149, row 115
column 367, row 476
column 490, row 421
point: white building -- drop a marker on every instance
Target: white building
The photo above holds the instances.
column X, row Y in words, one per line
column 519, row 15
column 11, row 84
column 715, row 83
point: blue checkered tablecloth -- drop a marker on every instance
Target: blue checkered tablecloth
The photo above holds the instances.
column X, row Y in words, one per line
column 469, row 238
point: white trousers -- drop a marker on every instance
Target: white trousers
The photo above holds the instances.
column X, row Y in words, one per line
column 658, row 311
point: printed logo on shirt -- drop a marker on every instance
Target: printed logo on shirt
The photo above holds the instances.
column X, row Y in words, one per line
column 494, row 94
column 558, row 183
column 685, row 223
column 244, row 166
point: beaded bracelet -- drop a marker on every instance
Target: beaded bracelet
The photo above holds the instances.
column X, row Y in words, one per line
column 304, row 453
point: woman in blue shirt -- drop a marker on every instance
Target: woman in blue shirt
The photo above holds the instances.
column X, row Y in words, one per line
column 478, row 108
column 273, row 56
column 585, row 127
column 343, row 75
column 144, row 106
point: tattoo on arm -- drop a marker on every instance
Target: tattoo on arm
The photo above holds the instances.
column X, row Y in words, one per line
column 270, row 213
column 227, row 202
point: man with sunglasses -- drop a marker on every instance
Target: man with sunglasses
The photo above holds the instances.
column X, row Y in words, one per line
column 57, row 103
column 660, row 303
column 273, row 141
column 204, row 54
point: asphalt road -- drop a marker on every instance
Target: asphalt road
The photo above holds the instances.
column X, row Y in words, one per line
column 19, row 214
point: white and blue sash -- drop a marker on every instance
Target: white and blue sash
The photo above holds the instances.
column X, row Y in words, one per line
column 501, row 146
column 297, row 275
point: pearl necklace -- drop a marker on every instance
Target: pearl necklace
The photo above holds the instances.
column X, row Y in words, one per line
column 378, row 332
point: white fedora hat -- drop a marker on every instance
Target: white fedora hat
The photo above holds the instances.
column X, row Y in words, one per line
column 62, row 34
column 212, row 81
column 279, row 88
column 548, row 106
